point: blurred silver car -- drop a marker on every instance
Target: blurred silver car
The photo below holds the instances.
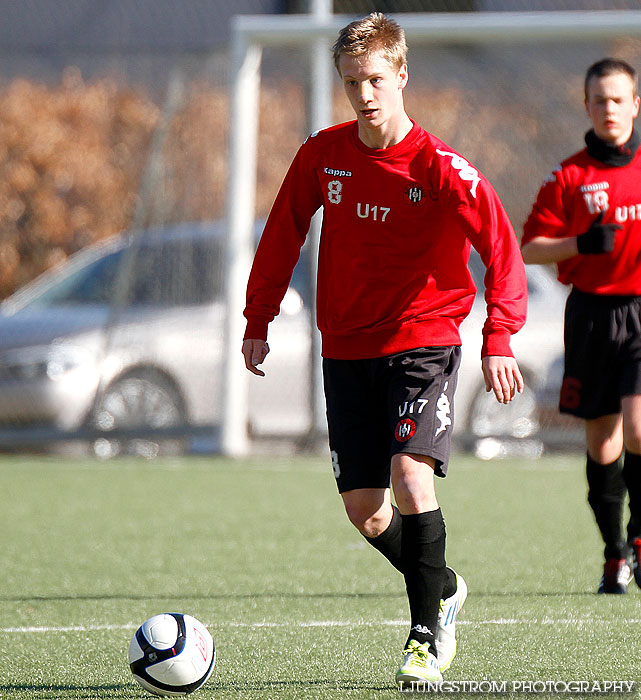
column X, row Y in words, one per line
column 122, row 346
column 127, row 335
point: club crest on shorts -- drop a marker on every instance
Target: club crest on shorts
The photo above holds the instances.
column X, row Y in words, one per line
column 404, row 430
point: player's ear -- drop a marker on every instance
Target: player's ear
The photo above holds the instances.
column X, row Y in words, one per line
column 403, row 76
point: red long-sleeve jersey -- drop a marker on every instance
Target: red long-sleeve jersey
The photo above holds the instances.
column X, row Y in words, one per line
column 395, row 241
column 568, row 202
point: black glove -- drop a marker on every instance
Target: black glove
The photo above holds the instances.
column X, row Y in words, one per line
column 599, row 238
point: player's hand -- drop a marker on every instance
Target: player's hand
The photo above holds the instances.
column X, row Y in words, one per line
column 599, row 238
column 502, row 376
column 255, row 351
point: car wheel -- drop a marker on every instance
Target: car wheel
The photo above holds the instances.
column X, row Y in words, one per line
column 138, row 400
column 518, row 419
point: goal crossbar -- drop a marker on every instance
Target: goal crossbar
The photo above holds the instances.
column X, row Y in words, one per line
column 279, row 30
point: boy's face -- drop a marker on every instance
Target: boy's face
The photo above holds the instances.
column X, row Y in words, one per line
column 612, row 107
column 374, row 89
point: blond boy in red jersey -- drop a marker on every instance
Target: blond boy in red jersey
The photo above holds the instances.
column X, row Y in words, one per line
column 400, row 212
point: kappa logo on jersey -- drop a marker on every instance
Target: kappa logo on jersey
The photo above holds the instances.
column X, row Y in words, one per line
column 405, row 429
column 595, row 186
column 337, row 172
column 443, row 411
column 465, row 170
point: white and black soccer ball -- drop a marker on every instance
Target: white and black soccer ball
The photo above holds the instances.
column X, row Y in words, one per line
column 172, row 654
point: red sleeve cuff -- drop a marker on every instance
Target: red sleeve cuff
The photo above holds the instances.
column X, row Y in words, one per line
column 497, row 343
column 256, row 329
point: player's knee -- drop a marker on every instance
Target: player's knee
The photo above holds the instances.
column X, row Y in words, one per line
column 413, row 483
column 604, row 439
column 365, row 519
column 603, row 449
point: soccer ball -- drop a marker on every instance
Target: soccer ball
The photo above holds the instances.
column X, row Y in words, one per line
column 172, row 654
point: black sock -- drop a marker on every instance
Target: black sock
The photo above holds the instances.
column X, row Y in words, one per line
column 632, row 478
column 423, row 556
column 606, row 492
column 388, row 542
column 449, row 589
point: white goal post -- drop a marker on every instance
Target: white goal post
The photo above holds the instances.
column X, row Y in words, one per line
column 249, row 35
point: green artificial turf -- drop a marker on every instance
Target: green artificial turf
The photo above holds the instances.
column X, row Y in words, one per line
column 299, row 605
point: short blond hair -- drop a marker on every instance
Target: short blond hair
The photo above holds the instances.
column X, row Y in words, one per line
column 365, row 36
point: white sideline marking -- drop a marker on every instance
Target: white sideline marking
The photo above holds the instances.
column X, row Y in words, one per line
column 66, row 628
column 319, row 623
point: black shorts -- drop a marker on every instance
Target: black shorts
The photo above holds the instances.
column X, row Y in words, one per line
column 602, row 353
column 382, row 406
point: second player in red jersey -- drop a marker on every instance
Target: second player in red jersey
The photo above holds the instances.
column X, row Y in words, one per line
column 573, row 196
column 587, row 220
